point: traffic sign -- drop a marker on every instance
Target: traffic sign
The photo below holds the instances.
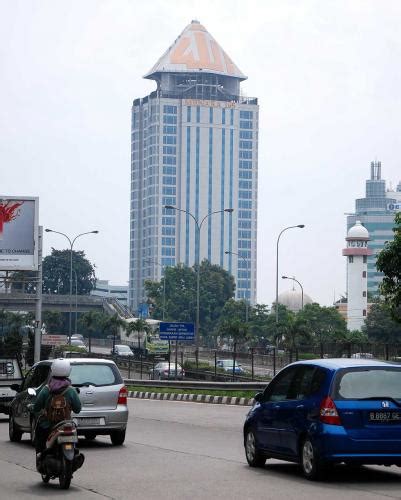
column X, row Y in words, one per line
column 54, row 339
column 177, row 331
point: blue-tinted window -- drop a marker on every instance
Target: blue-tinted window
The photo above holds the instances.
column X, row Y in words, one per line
column 245, row 224
column 169, row 180
column 169, row 160
column 169, row 150
column 188, row 113
column 244, row 204
column 169, row 139
column 168, row 231
column 245, row 134
column 169, row 129
column 245, row 195
column 167, row 261
column 168, row 241
column 169, row 200
column 245, row 184
column 168, row 251
column 169, row 191
column 246, row 115
column 244, row 244
column 169, row 170
column 244, row 214
column 245, row 144
column 223, row 116
column 197, row 114
column 245, row 124
column 245, row 164
column 231, row 117
column 172, row 110
column 168, row 221
column 245, row 174
column 170, row 119
column 245, row 154
column 244, row 234
column 210, row 115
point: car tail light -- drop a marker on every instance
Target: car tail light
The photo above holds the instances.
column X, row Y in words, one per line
column 122, row 396
column 328, row 412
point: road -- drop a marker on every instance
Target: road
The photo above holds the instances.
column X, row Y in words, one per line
column 183, row 451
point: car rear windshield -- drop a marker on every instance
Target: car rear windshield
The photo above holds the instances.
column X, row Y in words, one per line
column 96, row 374
column 368, row 383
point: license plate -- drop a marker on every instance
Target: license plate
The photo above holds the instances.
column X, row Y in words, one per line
column 67, row 439
column 385, row 416
column 84, row 421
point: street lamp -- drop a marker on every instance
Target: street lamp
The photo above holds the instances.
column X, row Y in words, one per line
column 198, row 226
column 71, row 242
column 302, row 288
column 301, row 226
column 164, row 282
column 227, row 252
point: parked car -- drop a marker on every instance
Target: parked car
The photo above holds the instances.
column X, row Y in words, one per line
column 122, row 350
column 362, row 355
column 161, row 371
column 227, row 366
column 10, row 373
column 328, row 411
column 77, row 336
column 101, row 391
column 79, row 343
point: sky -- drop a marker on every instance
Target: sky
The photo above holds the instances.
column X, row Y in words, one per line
column 327, row 75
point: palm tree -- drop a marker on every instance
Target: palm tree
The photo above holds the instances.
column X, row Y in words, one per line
column 139, row 325
column 91, row 321
column 113, row 325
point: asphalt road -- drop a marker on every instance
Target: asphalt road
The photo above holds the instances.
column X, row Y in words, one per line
column 183, row 451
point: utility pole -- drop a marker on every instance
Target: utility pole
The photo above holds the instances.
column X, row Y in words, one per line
column 38, row 305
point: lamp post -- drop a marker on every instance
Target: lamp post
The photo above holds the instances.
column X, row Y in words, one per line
column 71, row 242
column 164, row 283
column 198, row 226
column 227, row 252
column 76, row 301
column 301, row 226
column 302, row 288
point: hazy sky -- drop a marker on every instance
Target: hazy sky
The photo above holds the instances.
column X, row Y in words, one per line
column 327, row 75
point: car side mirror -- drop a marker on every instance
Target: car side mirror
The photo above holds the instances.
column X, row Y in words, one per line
column 258, row 397
column 15, row 387
column 31, row 392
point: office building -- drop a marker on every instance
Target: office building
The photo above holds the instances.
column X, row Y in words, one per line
column 195, row 147
column 376, row 213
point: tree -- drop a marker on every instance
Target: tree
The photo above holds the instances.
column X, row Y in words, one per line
column 53, row 321
column 322, row 324
column 56, row 274
column 138, row 326
column 389, row 263
column 216, row 287
column 91, row 322
column 380, row 325
column 234, row 329
column 113, row 324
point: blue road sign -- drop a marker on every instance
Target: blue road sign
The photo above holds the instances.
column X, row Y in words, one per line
column 177, row 331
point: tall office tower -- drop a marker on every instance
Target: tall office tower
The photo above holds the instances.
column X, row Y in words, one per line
column 195, row 147
column 376, row 212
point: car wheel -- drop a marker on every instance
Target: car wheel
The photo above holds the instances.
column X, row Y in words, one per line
column 14, row 433
column 253, row 456
column 117, row 437
column 313, row 468
column 90, row 436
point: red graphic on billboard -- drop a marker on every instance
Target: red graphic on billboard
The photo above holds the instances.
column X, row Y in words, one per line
column 8, row 212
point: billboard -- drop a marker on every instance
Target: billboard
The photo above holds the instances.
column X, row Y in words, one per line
column 19, row 233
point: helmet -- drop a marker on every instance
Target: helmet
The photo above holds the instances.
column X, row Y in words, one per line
column 61, row 368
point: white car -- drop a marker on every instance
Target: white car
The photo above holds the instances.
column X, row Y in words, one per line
column 122, row 350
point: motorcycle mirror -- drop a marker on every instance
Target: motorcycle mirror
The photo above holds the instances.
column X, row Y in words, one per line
column 31, row 392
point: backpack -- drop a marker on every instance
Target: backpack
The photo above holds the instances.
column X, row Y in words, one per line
column 58, row 408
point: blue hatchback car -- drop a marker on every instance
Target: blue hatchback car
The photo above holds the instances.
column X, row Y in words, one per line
column 328, row 411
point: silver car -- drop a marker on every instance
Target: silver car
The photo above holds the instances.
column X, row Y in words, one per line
column 101, row 391
column 164, row 371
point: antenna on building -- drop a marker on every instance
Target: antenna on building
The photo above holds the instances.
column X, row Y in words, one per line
column 375, row 170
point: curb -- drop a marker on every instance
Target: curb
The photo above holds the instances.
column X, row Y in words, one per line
column 194, row 398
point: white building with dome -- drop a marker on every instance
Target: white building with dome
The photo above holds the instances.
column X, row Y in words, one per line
column 292, row 299
column 357, row 253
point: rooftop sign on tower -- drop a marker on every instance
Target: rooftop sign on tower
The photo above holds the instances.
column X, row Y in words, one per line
column 195, row 50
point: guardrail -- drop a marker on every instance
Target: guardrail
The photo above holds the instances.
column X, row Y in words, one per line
column 197, row 384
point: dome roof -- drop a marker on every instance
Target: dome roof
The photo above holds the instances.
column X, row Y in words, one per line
column 358, row 231
column 292, row 299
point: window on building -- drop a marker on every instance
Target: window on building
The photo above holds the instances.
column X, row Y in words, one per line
column 364, row 294
column 188, row 113
column 364, row 312
column 210, row 115
column 172, row 110
column 246, row 115
column 350, row 259
column 198, row 114
column 363, row 274
column 365, row 259
column 170, row 119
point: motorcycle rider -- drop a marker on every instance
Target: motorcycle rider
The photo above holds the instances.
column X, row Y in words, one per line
column 59, row 383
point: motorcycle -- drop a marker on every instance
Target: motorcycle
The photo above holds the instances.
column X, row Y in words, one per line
column 61, row 457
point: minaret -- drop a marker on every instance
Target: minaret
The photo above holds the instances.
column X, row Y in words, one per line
column 357, row 252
